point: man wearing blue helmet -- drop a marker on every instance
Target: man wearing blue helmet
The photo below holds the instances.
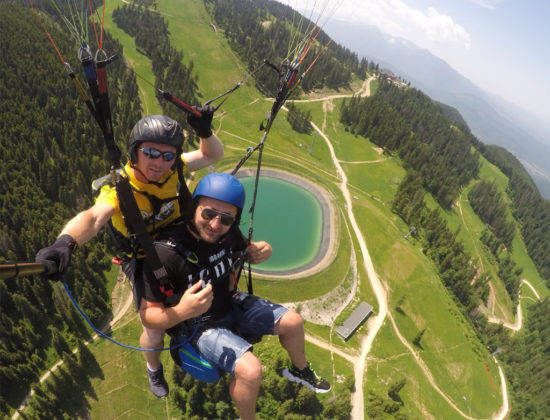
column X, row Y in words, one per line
column 203, row 257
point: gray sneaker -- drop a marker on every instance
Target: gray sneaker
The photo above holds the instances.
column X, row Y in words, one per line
column 157, row 383
column 307, row 377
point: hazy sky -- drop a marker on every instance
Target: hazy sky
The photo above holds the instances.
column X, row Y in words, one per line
column 503, row 46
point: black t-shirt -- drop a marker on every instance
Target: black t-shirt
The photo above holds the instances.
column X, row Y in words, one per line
column 188, row 260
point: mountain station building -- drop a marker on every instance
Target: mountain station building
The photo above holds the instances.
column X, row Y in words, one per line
column 354, row 321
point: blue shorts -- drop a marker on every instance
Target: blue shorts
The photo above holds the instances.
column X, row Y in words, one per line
column 221, row 343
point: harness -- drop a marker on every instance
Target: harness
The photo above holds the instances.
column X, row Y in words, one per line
column 237, row 258
column 233, row 260
column 139, row 241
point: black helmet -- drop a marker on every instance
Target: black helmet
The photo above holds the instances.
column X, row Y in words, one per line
column 155, row 129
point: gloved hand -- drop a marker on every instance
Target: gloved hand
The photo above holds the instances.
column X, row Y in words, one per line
column 202, row 125
column 60, row 253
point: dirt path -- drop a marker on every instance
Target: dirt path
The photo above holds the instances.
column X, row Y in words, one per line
column 376, row 322
column 363, row 92
column 518, row 323
column 492, row 301
column 122, row 300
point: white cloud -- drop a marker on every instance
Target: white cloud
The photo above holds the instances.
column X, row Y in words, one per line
column 423, row 27
column 439, row 27
column 398, row 19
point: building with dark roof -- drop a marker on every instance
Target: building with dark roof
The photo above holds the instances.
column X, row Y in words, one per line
column 354, row 321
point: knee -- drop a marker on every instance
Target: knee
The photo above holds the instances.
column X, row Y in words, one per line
column 290, row 322
column 248, row 368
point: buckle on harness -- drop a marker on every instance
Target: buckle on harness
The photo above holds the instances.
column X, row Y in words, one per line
column 167, row 291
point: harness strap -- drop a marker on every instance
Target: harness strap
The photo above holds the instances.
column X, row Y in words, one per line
column 134, row 222
column 103, row 108
column 96, row 77
column 125, row 243
column 191, row 257
column 238, row 258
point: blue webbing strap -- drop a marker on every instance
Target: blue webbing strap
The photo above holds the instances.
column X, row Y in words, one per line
column 112, row 339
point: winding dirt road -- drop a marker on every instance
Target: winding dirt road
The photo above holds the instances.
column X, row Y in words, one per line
column 491, row 317
column 518, row 323
column 376, row 322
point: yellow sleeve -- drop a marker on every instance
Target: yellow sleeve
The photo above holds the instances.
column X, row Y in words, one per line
column 107, row 195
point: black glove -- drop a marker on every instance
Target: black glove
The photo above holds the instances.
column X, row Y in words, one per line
column 201, row 125
column 60, row 253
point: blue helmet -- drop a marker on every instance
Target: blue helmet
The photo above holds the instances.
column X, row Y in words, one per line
column 221, row 186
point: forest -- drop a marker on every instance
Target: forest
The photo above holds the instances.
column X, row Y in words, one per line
column 47, row 167
column 46, row 171
column 409, row 124
column 489, row 205
column 400, row 126
column 445, row 154
column 257, row 29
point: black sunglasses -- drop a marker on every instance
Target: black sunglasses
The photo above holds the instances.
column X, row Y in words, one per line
column 210, row 214
column 153, row 153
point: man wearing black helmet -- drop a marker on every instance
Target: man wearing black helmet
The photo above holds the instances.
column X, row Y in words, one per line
column 203, row 257
column 155, row 150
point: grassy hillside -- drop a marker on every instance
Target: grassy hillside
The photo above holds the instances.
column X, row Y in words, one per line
column 465, row 380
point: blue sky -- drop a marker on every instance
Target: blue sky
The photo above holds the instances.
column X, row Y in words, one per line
column 503, row 46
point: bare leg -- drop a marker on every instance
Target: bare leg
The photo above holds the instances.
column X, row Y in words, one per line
column 290, row 329
column 152, row 339
column 246, row 384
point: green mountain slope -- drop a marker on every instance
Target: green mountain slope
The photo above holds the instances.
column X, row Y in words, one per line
column 428, row 358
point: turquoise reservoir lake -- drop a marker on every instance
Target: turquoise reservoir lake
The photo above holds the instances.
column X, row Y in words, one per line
column 288, row 217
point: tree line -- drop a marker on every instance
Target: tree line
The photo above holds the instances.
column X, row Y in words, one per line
column 489, row 205
column 440, row 243
column 530, row 209
column 408, row 123
column 299, row 119
column 264, row 30
column 527, row 365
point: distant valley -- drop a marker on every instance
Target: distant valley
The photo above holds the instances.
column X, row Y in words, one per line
column 491, row 119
